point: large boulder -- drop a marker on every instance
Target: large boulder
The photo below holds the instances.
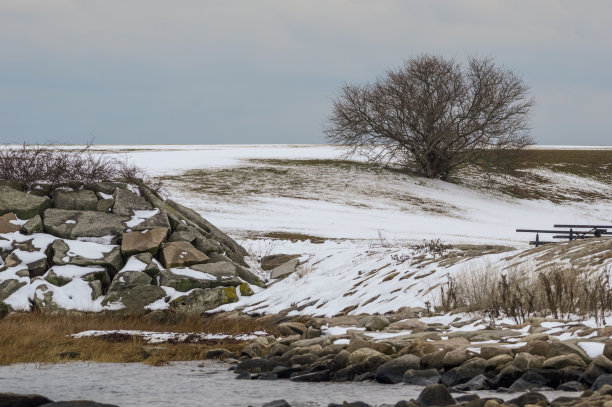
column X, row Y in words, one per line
column 204, row 299
column 62, row 275
column 81, row 200
column 435, row 395
column 143, row 262
column 133, row 300
column 33, row 225
column 8, row 287
column 423, row 377
column 228, row 269
column 24, row 205
column 216, row 234
column 393, row 371
column 126, row 280
column 86, row 254
column 147, row 241
column 159, row 220
column 374, row 323
column 9, row 223
column 35, row 261
column 285, row 269
column 126, row 202
column 70, row 224
column 275, row 260
column 185, row 279
column 181, row 254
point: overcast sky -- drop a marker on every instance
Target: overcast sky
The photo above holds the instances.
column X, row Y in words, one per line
column 258, row 71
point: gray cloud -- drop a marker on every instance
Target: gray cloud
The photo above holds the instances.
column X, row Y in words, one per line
column 243, row 71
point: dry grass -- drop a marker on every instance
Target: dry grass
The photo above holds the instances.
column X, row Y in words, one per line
column 36, row 337
column 521, row 292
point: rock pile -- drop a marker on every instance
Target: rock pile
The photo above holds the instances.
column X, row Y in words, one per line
column 505, row 359
column 113, row 246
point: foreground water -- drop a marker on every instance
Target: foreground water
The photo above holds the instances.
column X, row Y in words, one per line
column 189, row 384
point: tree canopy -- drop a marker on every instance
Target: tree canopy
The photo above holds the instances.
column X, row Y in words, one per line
column 433, row 115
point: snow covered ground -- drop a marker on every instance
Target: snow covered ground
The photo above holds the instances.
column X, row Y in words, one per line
column 340, row 203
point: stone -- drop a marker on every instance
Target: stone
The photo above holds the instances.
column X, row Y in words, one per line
column 245, row 290
column 126, row 202
column 181, row 254
column 204, row 299
column 36, row 262
column 105, row 205
column 531, row 398
column 320, row 376
column 277, row 403
column 33, row 225
column 423, row 377
column 538, row 348
column 561, row 361
column 70, row 224
column 507, row 376
column 126, row 280
column 105, row 187
column 412, row 324
column 364, row 354
column 418, row 348
column 435, row 395
column 8, row 287
column 159, row 220
column 562, row 348
column 528, row 381
column 219, row 270
column 275, row 260
column 456, row 357
column 285, row 269
column 217, row 234
column 151, row 265
column 110, row 255
column 22, row 400
column 604, row 379
column 381, row 347
column 219, row 353
column 393, row 371
column 134, row 300
column 498, row 362
column 571, row 386
column 460, row 375
column 82, row 200
column 56, row 277
column 187, row 279
column 488, row 352
column 374, row 323
column 6, row 226
column 138, row 242
column 479, row 382
column 252, row 350
column 23, row 205
column 526, row 361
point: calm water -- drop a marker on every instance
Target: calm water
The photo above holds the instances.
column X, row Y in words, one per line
column 187, row 384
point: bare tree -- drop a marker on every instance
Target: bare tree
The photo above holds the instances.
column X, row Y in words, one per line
column 433, row 115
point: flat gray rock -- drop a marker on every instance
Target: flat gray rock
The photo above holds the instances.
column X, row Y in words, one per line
column 82, row 200
column 25, row 206
column 202, row 300
column 187, row 279
column 111, row 258
column 126, row 202
column 285, row 269
column 69, row 224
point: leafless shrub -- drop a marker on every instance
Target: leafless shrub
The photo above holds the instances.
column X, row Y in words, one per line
column 44, row 164
column 303, row 270
column 380, row 242
column 518, row 294
column 433, row 246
